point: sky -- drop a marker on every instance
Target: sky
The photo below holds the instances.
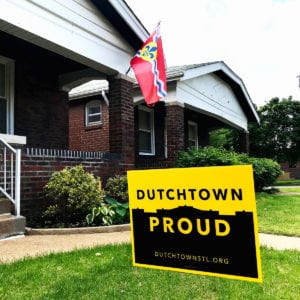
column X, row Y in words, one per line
column 258, row 39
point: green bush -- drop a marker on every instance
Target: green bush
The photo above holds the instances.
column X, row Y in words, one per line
column 117, row 188
column 72, row 193
column 265, row 171
column 206, row 156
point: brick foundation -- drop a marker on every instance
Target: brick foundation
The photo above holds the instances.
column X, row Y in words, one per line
column 36, row 170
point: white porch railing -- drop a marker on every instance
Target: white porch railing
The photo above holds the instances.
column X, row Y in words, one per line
column 10, row 174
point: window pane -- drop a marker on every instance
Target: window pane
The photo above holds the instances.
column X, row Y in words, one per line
column 2, row 80
column 94, row 118
column 94, row 110
column 192, row 132
column 2, row 116
column 193, row 135
column 144, row 120
column 145, row 142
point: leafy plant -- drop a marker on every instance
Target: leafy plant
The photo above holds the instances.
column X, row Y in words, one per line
column 117, row 188
column 104, row 213
column 110, row 212
column 72, row 194
column 121, row 210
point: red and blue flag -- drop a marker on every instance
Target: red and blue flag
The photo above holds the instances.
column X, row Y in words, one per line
column 149, row 68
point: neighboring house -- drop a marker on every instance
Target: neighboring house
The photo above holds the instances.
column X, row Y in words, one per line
column 290, row 171
column 47, row 48
column 89, row 117
column 200, row 98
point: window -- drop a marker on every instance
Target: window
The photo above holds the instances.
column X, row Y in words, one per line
column 193, row 134
column 93, row 113
column 146, row 131
column 6, row 95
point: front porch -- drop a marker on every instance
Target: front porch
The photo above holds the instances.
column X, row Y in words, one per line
column 45, row 50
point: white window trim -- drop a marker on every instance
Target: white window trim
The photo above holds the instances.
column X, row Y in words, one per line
column 151, row 111
column 9, row 92
column 89, row 104
column 191, row 123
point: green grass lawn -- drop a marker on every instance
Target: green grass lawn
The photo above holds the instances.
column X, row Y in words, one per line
column 290, row 190
column 288, row 182
column 107, row 273
column 278, row 214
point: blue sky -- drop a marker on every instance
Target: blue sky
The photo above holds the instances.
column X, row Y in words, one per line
column 257, row 39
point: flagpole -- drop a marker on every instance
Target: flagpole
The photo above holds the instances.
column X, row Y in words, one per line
column 128, row 70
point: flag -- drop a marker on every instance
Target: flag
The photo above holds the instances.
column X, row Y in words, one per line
column 149, row 68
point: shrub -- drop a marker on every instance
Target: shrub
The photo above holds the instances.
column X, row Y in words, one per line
column 72, row 193
column 117, row 188
column 265, row 171
column 206, row 156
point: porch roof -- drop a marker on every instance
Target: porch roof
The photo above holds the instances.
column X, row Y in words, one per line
column 102, row 35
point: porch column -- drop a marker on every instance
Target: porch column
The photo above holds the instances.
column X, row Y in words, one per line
column 121, row 118
column 174, row 129
column 244, row 142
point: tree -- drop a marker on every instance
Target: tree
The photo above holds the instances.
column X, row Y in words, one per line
column 278, row 135
column 227, row 138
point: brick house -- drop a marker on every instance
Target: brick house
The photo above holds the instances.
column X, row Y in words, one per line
column 47, row 48
column 200, row 98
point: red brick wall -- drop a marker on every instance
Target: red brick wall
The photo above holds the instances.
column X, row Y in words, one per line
column 175, row 130
column 41, row 109
column 121, row 119
column 87, row 138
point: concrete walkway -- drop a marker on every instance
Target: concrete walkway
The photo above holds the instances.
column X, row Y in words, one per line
column 53, row 241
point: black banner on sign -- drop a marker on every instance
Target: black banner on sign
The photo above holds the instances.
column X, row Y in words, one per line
column 188, row 238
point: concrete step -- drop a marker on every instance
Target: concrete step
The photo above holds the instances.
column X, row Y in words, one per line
column 11, row 225
column 5, row 206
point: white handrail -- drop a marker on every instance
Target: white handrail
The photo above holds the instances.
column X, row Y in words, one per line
column 12, row 193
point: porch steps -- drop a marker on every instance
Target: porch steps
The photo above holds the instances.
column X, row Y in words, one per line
column 10, row 225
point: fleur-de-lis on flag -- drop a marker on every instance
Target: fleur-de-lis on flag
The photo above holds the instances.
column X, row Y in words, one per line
column 149, row 68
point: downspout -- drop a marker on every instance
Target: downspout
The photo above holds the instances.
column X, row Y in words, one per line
column 105, row 97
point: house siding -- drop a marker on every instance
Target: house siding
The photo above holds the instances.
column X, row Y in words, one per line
column 75, row 29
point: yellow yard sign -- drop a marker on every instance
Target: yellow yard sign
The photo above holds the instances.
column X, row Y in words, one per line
column 196, row 220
